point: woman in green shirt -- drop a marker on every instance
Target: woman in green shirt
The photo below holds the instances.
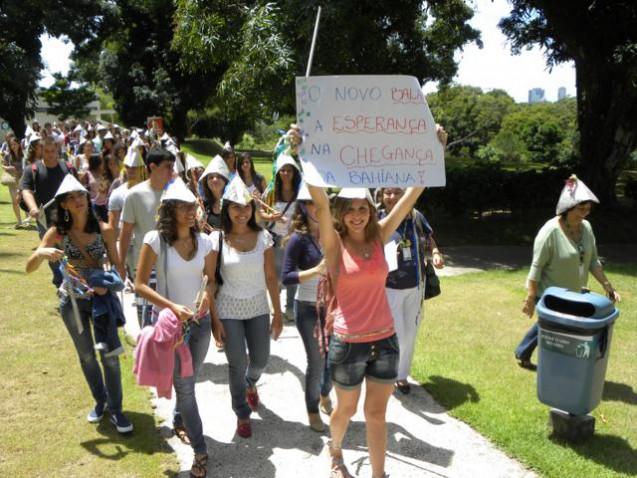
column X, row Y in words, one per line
column 564, row 252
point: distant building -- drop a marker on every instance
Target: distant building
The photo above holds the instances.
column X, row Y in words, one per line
column 561, row 93
column 536, row 95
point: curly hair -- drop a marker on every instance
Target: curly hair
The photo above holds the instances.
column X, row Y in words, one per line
column 63, row 222
column 342, row 206
column 167, row 225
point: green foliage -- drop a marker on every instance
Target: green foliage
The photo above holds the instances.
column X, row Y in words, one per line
column 21, row 26
column 470, row 116
column 601, row 39
column 66, row 101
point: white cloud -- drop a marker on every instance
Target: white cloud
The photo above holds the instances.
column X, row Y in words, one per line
column 55, row 56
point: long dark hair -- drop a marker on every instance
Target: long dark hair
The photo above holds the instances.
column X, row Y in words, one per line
column 106, row 170
column 226, row 222
column 278, row 184
column 167, row 225
column 256, row 177
column 63, row 222
column 209, row 198
column 94, row 163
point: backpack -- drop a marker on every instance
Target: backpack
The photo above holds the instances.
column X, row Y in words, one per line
column 70, row 169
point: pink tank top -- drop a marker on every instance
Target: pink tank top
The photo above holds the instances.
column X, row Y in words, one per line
column 362, row 312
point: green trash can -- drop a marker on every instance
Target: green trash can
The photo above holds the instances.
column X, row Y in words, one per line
column 575, row 331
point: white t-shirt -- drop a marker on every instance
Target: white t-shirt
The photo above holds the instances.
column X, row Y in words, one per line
column 117, row 197
column 184, row 277
column 140, row 209
column 281, row 228
column 243, row 294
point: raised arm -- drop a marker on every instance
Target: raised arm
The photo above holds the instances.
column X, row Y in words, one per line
column 329, row 236
column 390, row 223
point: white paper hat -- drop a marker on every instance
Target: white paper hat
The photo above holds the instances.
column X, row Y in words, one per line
column 165, row 137
column 78, row 129
column 109, row 135
column 192, row 162
column 116, row 126
column 69, row 185
column 237, row 192
column 283, row 160
column 574, row 192
column 137, row 143
column 134, row 134
column 216, row 166
column 172, row 149
column 90, row 128
column 34, row 137
column 304, row 193
column 356, row 193
column 228, row 147
column 178, row 166
column 101, row 127
column 133, row 158
column 176, row 190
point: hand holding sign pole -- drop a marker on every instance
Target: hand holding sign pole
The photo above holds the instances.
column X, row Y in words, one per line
column 368, row 131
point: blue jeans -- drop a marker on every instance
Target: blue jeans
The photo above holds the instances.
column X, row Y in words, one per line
column 317, row 375
column 54, row 266
column 255, row 333
column 84, row 346
column 187, row 411
column 525, row 349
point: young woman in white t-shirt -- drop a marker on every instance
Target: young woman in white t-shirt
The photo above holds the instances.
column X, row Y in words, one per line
column 247, row 271
column 180, row 273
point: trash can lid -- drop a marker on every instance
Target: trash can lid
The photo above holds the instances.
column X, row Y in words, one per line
column 584, row 310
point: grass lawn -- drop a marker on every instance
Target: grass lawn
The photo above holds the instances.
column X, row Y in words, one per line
column 44, row 398
column 465, row 359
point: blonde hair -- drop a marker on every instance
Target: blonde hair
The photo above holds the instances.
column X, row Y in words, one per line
column 341, row 207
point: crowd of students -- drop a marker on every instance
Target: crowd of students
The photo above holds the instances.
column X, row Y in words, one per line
column 208, row 250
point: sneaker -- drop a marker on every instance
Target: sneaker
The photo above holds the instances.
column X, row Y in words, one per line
column 244, row 429
column 96, row 415
column 403, row 387
column 121, row 422
column 252, row 397
column 325, row 404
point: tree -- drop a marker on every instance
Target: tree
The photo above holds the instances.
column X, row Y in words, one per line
column 65, row 101
column 472, row 118
column 261, row 46
column 22, row 23
column 601, row 38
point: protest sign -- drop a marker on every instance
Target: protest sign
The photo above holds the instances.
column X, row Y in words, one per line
column 367, row 131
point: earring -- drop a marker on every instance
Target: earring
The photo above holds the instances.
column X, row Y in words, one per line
column 66, row 215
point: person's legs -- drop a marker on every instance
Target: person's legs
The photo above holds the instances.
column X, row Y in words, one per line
column 395, row 298
column 113, row 381
column 84, row 347
column 185, row 386
column 346, row 403
column 410, row 319
column 526, row 347
column 376, row 398
column 257, row 333
column 235, row 349
column 305, row 316
column 13, row 192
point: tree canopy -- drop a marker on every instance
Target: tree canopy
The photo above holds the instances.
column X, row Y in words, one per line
column 601, row 38
column 21, row 25
column 66, row 100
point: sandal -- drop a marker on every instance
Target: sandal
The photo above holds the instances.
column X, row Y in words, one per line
column 199, row 467
column 339, row 470
column 181, row 433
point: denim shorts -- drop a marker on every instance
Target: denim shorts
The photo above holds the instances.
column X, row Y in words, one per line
column 350, row 363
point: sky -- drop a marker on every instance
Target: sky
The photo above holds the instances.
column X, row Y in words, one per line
column 491, row 67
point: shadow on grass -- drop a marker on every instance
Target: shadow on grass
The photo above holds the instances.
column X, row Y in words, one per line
column 12, row 271
column 619, row 392
column 144, row 439
column 2, row 233
column 6, row 254
column 451, row 393
column 610, row 451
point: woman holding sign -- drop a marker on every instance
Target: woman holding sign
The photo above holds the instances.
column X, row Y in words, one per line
column 181, row 255
column 363, row 343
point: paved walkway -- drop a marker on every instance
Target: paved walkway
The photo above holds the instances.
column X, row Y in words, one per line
column 424, row 441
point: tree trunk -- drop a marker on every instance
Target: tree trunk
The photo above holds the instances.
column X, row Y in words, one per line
column 16, row 122
column 607, row 118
